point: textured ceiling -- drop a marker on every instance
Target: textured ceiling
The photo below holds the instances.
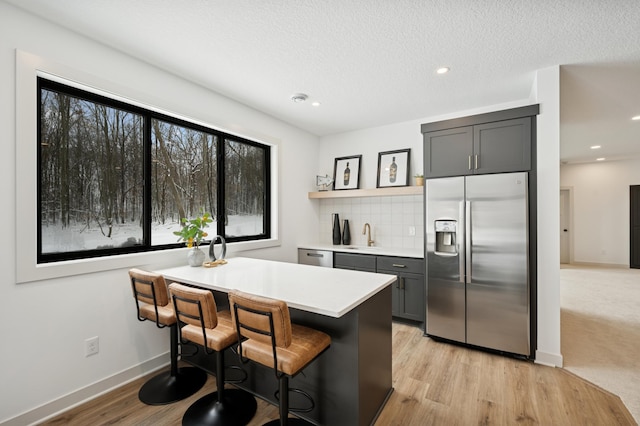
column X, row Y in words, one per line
column 373, row 62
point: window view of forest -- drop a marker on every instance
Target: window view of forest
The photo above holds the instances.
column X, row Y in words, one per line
column 93, row 164
column 184, row 177
column 91, row 175
column 244, row 191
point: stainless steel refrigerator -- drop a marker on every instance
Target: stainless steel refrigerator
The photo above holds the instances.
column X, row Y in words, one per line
column 477, row 261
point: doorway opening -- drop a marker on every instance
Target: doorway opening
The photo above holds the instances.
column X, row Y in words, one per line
column 634, row 226
column 565, row 225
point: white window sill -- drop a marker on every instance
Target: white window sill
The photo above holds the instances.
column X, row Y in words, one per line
column 164, row 258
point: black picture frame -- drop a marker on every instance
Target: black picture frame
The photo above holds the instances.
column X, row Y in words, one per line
column 393, row 168
column 346, row 172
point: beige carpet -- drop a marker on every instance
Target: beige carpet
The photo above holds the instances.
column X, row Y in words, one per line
column 600, row 326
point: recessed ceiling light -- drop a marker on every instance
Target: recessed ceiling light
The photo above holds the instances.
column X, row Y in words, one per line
column 600, row 159
column 596, row 147
column 442, row 70
column 299, row 97
column 316, row 104
column 636, row 118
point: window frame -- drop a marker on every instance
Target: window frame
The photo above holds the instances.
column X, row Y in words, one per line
column 148, row 116
column 195, row 106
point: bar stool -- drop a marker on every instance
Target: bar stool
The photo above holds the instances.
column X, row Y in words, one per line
column 268, row 337
column 152, row 303
column 196, row 309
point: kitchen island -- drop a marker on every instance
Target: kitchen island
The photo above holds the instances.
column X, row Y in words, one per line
column 351, row 381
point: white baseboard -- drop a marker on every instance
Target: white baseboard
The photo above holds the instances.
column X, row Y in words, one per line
column 599, row 265
column 94, row 390
column 548, row 359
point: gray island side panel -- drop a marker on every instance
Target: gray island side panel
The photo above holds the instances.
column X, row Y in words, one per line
column 350, row 382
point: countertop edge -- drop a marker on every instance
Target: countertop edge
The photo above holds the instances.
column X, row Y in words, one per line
column 374, row 251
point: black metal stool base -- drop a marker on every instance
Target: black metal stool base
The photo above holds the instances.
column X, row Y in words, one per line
column 237, row 408
column 164, row 388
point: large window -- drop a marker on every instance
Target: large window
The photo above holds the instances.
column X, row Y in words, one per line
column 115, row 178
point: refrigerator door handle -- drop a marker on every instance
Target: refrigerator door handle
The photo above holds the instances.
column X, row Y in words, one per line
column 461, row 236
column 468, row 242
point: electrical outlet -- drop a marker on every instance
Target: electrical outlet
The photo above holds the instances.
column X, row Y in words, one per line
column 91, row 346
column 412, row 231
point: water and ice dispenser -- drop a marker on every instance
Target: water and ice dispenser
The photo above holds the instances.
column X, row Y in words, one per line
column 446, row 237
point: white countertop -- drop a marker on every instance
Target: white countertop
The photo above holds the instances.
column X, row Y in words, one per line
column 380, row 251
column 324, row 291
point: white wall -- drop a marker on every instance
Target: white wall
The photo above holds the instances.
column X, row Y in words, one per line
column 390, row 217
column 600, row 211
column 368, row 143
column 43, row 324
column 546, row 91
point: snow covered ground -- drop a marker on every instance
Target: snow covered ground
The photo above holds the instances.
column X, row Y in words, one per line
column 78, row 237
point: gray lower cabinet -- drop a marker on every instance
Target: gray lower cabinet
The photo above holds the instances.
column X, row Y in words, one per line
column 496, row 147
column 408, row 293
column 356, row 262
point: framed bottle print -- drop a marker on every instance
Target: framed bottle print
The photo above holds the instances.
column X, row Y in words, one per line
column 346, row 172
column 393, row 168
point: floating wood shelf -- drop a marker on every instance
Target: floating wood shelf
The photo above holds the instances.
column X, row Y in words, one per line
column 377, row 192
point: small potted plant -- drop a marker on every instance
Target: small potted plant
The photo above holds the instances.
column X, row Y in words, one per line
column 192, row 233
column 419, row 179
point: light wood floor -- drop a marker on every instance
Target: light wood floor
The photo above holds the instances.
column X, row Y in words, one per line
column 435, row 384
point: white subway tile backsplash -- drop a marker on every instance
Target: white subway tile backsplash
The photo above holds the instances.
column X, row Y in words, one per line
column 389, row 217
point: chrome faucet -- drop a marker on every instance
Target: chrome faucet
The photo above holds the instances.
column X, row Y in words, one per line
column 364, row 231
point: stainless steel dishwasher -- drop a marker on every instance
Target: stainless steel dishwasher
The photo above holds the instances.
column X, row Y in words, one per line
column 316, row 257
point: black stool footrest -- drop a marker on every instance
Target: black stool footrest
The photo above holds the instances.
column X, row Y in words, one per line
column 236, row 408
column 291, row 421
column 164, row 388
column 308, row 409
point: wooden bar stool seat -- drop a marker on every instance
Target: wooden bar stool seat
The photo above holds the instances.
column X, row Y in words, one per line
column 201, row 323
column 267, row 336
column 152, row 303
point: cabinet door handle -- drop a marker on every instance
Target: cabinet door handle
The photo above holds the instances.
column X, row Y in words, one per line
column 469, row 162
column 315, row 254
column 398, row 265
column 476, row 161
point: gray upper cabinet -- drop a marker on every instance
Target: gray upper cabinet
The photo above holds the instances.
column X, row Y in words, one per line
column 447, row 152
column 504, row 146
column 487, row 143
